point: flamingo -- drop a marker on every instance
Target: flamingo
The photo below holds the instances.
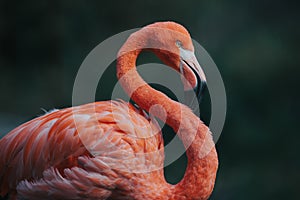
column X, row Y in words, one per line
column 112, row 149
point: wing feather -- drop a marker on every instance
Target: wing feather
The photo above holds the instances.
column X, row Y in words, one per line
column 82, row 149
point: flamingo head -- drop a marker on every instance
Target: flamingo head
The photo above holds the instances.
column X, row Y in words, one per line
column 172, row 43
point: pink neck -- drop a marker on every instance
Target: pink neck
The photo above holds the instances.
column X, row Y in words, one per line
column 202, row 165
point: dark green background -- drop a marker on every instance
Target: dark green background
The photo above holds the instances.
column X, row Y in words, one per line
column 255, row 44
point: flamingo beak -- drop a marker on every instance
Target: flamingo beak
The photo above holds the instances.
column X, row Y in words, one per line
column 189, row 63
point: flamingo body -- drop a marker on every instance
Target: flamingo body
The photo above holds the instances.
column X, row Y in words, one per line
column 51, row 145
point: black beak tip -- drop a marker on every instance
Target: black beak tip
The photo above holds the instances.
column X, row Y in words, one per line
column 200, row 89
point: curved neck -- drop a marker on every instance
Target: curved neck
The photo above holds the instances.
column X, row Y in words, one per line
column 202, row 165
column 140, row 92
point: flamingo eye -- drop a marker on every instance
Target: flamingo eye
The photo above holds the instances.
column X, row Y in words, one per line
column 178, row 43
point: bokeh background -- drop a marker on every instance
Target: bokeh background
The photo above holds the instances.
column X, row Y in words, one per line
column 255, row 44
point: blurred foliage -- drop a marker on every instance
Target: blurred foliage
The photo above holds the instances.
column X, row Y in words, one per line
column 254, row 43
